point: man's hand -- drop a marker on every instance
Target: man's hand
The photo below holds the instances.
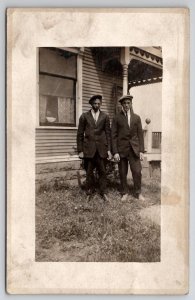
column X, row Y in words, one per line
column 81, row 155
column 109, row 155
column 141, row 155
column 117, row 157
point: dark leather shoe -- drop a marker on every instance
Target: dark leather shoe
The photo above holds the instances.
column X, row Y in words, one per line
column 89, row 192
column 89, row 197
column 105, row 197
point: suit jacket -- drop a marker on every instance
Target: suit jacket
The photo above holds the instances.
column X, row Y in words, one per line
column 92, row 137
column 124, row 136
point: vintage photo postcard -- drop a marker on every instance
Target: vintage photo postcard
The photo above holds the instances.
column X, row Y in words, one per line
column 97, row 151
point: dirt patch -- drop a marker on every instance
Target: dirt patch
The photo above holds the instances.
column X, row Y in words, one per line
column 152, row 213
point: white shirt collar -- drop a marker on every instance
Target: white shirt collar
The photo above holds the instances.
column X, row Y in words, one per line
column 95, row 114
column 128, row 112
column 93, row 111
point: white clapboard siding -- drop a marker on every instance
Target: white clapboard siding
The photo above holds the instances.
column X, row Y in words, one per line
column 55, row 142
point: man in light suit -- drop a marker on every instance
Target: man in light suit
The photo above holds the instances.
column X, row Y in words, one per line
column 128, row 146
column 93, row 144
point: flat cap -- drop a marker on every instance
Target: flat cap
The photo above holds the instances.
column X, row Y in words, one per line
column 125, row 97
column 95, row 97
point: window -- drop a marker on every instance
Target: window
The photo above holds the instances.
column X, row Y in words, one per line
column 57, row 87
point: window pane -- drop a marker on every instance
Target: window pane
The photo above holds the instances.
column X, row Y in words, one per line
column 57, row 61
column 42, row 108
column 57, row 101
column 52, row 109
column 66, row 110
column 55, row 86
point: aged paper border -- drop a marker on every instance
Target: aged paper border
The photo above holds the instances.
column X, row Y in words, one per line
column 31, row 28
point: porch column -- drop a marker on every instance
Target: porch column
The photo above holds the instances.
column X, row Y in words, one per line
column 125, row 79
column 125, row 60
column 149, row 136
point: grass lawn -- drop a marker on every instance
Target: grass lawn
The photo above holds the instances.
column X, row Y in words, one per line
column 69, row 228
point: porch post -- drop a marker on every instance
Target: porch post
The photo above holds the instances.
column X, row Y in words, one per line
column 149, row 138
column 125, row 79
column 125, row 60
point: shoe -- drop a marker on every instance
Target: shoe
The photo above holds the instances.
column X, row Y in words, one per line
column 124, row 198
column 141, row 197
column 89, row 197
column 89, row 192
column 104, row 197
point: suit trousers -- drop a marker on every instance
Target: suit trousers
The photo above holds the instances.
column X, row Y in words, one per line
column 98, row 163
column 135, row 166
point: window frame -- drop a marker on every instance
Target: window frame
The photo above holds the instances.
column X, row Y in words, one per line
column 78, row 91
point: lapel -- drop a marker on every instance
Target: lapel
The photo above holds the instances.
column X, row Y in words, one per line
column 92, row 121
column 132, row 120
column 125, row 118
column 99, row 118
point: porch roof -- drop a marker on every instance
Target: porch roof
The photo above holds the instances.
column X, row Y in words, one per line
column 145, row 63
column 145, row 66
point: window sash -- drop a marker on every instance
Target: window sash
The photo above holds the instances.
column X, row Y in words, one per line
column 62, row 112
column 58, row 62
column 57, row 87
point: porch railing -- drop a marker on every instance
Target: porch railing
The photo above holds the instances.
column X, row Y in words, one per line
column 156, row 140
column 152, row 140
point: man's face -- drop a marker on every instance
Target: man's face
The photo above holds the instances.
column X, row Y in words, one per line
column 126, row 104
column 96, row 104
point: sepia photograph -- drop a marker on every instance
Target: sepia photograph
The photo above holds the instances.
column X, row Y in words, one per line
column 98, row 154
column 97, row 150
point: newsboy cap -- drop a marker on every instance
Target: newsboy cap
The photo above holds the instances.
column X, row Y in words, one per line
column 125, row 97
column 95, row 97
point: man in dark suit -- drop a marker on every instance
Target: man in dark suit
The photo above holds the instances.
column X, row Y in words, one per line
column 93, row 144
column 128, row 145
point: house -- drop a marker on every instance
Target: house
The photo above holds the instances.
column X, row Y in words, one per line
column 66, row 79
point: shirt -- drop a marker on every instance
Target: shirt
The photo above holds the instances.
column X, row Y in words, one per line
column 128, row 114
column 95, row 115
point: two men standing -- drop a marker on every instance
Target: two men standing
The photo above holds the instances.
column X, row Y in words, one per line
column 95, row 140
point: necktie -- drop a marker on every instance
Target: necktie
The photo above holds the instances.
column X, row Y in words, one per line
column 126, row 115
